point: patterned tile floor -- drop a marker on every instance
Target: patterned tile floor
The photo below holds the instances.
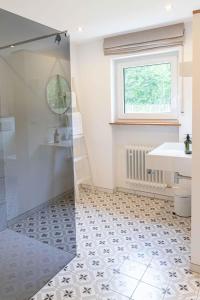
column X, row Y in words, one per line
column 54, row 224
column 26, row 265
column 128, row 248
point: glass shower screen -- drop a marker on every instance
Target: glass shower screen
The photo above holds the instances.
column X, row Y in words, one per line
column 37, row 205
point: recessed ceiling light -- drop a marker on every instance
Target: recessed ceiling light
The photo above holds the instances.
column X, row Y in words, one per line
column 168, row 7
column 12, row 46
column 80, row 29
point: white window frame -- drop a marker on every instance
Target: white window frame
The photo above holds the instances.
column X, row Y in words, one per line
column 170, row 56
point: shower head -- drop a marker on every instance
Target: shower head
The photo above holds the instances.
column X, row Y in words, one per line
column 58, row 38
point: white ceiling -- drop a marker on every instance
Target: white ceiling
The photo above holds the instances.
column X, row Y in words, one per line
column 101, row 17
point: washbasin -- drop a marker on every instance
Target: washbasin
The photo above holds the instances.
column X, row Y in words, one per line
column 170, row 157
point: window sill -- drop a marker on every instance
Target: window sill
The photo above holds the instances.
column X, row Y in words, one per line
column 153, row 122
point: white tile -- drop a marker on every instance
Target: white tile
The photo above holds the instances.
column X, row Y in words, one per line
column 111, row 295
column 145, row 291
column 123, row 284
column 156, row 277
column 133, row 269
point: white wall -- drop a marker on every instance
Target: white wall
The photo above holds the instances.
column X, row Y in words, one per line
column 196, row 144
column 93, row 91
column 186, row 118
column 92, row 73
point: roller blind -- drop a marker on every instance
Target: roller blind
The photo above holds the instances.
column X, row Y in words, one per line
column 167, row 36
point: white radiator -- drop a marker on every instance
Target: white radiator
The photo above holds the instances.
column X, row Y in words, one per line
column 136, row 171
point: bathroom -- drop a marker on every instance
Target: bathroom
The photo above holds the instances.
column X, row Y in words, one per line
column 134, row 231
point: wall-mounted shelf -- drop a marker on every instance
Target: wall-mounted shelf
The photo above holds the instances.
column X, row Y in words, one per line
column 63, row 144
column 153, row 122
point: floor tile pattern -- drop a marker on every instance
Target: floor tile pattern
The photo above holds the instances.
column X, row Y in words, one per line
column 54, row 224
column 26, row 265
column 129, row 247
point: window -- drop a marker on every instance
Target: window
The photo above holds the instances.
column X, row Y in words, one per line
column 147, row 86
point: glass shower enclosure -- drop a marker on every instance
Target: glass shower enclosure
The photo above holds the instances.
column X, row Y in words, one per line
column 37, row 204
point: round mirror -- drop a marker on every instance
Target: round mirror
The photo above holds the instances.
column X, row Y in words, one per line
column 58, row 94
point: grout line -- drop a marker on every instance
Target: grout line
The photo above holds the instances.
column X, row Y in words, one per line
column 128, row 298
column 140, row 281
column 168, row 285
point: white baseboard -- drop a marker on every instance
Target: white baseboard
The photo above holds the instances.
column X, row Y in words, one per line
column 96, row 188
column 164, row 190
column 149, row 194
column 195, row 268
column 135, row 191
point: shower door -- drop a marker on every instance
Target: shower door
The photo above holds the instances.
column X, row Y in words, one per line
column 37, row 202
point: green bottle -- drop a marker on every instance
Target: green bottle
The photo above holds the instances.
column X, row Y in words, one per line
column 188, row 145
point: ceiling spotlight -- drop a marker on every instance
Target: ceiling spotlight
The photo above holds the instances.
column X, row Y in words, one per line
column 168, row 7
column 80, row 29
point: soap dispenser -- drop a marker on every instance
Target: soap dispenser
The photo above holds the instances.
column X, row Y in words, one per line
column 56, row 136
column 188, row 145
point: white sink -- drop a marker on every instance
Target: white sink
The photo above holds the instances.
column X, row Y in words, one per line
column 170, row 157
